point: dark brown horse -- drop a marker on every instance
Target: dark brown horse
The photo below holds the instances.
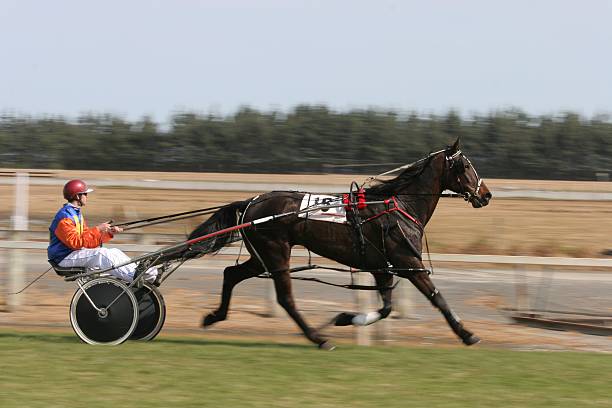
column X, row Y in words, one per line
column 384, row 238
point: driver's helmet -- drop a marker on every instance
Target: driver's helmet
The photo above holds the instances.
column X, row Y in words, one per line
column 74, row 188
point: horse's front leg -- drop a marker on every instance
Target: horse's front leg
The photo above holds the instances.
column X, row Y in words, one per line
column 424, row 284
column 232, row 275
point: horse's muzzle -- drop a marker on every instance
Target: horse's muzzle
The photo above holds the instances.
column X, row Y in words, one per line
column 482, row 201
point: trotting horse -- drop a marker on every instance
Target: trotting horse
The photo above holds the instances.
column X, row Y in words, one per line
column 383, row 237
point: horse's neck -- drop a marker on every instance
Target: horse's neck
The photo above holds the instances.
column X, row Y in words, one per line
column 426, row 192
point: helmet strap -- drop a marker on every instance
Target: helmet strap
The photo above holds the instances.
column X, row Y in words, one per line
column 76, row 199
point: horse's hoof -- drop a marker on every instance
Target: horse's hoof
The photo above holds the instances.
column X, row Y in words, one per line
column 209, row 320
column 473, row 339
column 326, row 345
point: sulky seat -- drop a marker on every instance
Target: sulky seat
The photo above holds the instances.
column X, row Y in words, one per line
column 67, row 270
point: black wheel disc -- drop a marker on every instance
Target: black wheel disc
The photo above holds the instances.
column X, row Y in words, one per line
column 110, row 325
column 151, row 313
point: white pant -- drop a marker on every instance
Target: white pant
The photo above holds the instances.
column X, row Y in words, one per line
column 103, row 258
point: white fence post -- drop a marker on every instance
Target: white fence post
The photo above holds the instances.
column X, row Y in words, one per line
column 19, row 223
column 364, row 301
column 22, row 195
column 274, row 309
column 404, row 302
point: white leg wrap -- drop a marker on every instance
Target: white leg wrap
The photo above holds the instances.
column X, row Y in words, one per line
column 364, row 319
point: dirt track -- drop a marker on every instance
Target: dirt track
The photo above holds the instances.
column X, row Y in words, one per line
column 248, row 320
column 479, row 297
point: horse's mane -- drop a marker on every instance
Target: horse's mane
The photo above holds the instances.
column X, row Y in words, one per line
column 404, row 179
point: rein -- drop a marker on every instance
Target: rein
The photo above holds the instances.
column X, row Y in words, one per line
column 168, row 218
column 205, row 211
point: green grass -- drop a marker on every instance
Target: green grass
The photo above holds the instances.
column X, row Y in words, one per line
column 56, row 370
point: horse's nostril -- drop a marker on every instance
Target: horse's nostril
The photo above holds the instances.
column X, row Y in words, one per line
column 488, row 196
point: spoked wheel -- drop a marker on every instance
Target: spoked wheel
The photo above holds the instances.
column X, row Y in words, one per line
column 104, row 311
column 151, row 312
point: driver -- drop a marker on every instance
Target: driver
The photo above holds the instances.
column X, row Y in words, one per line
column 72, row 244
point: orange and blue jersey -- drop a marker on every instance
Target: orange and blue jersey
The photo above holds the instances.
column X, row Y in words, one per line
column 69, row 232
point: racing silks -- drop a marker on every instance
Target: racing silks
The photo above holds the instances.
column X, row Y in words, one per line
column 68, row 232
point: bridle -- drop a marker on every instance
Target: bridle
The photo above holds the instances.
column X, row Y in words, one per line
column 451, row 163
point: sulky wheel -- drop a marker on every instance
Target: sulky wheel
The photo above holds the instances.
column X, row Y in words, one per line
column 114, row 317
column 151, row 312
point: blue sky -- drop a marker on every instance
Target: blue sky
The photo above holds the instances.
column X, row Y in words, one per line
column 135, row 58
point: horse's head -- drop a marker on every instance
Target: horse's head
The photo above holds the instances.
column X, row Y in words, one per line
column 462, row 178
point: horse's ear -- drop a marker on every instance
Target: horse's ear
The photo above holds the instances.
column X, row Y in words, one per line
column 455, row 146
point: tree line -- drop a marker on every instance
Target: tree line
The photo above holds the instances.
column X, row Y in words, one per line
column 312, row 139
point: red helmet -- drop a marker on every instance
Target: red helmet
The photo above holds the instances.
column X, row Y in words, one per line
column 74, row 188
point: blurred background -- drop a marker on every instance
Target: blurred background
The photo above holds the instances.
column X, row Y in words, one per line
column 171, row 106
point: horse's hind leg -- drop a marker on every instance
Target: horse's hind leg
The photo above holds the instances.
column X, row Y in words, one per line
column 232, row 275
column 424, row 284
column 384, row 281
column 284, row 295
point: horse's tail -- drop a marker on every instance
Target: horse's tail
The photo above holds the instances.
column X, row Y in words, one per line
column 226, row 217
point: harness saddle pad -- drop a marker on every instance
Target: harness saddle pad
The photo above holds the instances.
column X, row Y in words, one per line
column 321, row 210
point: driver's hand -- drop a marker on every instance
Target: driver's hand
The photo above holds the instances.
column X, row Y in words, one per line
column 104, row 227
column 115, row 230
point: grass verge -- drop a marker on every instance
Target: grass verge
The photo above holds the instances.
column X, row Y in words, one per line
column 55, row 370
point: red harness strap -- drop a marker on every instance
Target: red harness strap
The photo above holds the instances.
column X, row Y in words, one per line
column 392, row 209
column 361, row 201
